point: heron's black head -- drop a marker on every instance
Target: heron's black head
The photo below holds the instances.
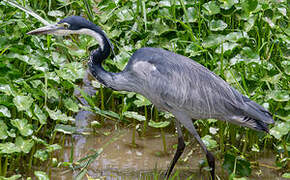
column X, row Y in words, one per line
column 68, row 25
column 74, row 23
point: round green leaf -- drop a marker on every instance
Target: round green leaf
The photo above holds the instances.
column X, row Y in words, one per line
column 22, row 103
column 56, row 13
column 4, row 111
column 24, row 145
column 279, row 95
column 211, row 8
column 71, row 105
column 41, row 155
column 286, row 175
column 58, row 115
column 39, row 114
column 280, row 129
column 66, row 129
column 141, row 101
column 213, row 40
column 53, row 147
column 23, row 126
column 249, row 5
column 226, row 47
column 9, row 148
column 134, row 115
column 14, row 177
column 161, row 124
column 209, row 142
column 236, row 36
column 41, row 175
column 218, row 25
column 3, row 130
column 5, row 88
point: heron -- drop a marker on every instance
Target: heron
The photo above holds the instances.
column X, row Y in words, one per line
column 172, row 82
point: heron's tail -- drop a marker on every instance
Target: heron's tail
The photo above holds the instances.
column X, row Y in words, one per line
column 255, row 116
column 254, row 124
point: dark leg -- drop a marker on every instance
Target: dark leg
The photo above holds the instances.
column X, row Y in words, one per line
column 179, row 151
column 187, row 123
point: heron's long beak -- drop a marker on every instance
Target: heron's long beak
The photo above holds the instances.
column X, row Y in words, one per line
column 50, row 29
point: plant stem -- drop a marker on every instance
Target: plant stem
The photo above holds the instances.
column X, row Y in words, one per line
column 5, row 166
column 134, row 134
column 146, row 121
column 163, row 141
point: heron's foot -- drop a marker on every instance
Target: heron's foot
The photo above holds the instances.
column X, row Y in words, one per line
column 211, row 164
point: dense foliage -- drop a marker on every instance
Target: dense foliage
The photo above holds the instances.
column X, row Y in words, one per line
column 245, row 42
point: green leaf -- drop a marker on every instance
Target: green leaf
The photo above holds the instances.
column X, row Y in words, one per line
column 121, row 60
column 11, row 133
column 286, row 175
column 124, row 14
column 56, row 13
column 134, row 115
column 226, row 47
column 9, row 148
column 4, row 111
column 78, row 52
column 227, row 4
column 39, row 114
column 209, row 142
column 53, row 147
column 249, row 5
column 269, row 21
column 96, row 124
column 217, row 25
column 5, row 88
column 14, row 177
column 283, row 11
column 41, row 175
column 3, row 130
column 66, row 129
column 279, row 95
column 52, row 94
column 141, row 101
column 247, row 55
column 24, row 145
column 22, row 103
column 213, row 40
column 58, row 115
column 211, row 8
column 71, row 105
column 72, row 71
column 249, row 24
column 280, row 129
column 161, row 124
column 236, row 36
column 41, row 155
column 192, row 14
column 23, row 126
column 58, row 59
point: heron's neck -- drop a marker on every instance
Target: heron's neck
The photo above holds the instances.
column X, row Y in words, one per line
column 112, row 80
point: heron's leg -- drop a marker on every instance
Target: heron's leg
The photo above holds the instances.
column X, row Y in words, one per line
column 179, row 151
column 186, row 121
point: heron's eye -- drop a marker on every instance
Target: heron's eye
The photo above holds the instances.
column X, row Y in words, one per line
column 66, row 25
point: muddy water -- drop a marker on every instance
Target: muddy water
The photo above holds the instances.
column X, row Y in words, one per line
column 119, row 160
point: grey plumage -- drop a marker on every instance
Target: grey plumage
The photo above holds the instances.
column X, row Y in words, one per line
column 176, row 83
column 173, row 83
